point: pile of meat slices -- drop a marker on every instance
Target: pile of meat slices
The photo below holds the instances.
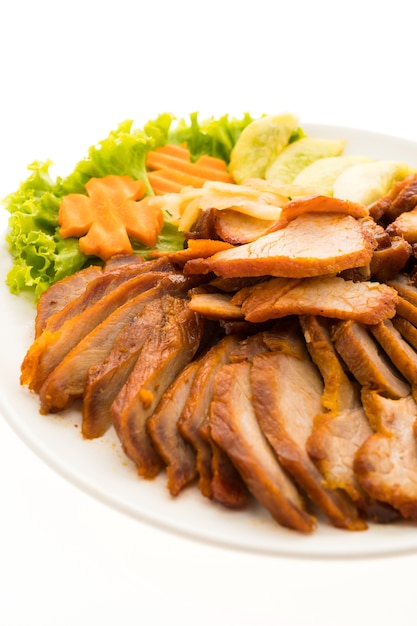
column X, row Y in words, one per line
column 283, row 369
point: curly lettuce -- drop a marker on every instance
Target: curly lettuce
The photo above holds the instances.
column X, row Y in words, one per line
column 40, row 255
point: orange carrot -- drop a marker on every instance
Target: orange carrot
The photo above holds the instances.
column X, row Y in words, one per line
column 173, row 163
column 109, row 214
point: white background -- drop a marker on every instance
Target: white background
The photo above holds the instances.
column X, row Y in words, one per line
column 69, row 73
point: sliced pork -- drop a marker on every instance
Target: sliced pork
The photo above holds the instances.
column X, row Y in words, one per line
column 168, row 349
column 176, row 452
column 196, row 409
column 103, row 285
column 236, row 430
column 386, row 463
column 338, row 433
column 287, row 394
column 103, row 361
column 310, row 245
column 366, row 361
column 328, row 296
column 61, row 293
column 50, row 348
column 402, row 355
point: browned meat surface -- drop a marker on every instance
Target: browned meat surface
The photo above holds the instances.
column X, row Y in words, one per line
column 387, row 262
column 310, row 245
column 97, row 289
column 61, row 293
column 407, row 310
column 177, row 454
column 216, row 306
column 328, row 296
column 386, row 464
column 121, row 260
column 235, row 429
column 287, row 394
column 368, row 364
column 402, row 355
column 50, row 348
column 120, row 338
column 338, row 433
column 406, row 329
column 238, row 228
column 168, row 349
column 406, row 287
column 401, row 198
column 227, row 486
column 197, row 406
column 405, row 226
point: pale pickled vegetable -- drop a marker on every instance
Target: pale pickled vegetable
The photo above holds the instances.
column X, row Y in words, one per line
column 259, row 144
column 321, row 174
column 367, row 182
column 298, row 155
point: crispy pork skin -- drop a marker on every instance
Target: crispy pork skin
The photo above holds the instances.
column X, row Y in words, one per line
column 196, row 409
column 310, row 245
column 177, row 454
column 287, row 394
column 328, row 296
column 339, row 431
column 168, row 349
column 235, row 429
column 386, row 463
column 366, row 361
column 50, row 348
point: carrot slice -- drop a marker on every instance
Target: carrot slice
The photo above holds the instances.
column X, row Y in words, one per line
column 109, row 215
column 173, row 163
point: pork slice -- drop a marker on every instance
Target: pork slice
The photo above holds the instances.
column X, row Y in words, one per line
column 386, row 463
column 122, row 260
column 196, row 409
column 71, row 377
column 405, row 226
column 405, row 287
column 338, row 433
column 168, row 349
column 402, row 197
column 327, row 296
column 406, row 329
column 176, row 452
column 236, row 430
column 407, row 310
column 215, row 306
column 50, row 348
column 238, row 228
column 387, row 262
column 100, row 378
column 97, row 289
column 61, row 293
column 287, row 397
column 366, row 361
column 310, row 245
column 402, row 355
column 227, row 485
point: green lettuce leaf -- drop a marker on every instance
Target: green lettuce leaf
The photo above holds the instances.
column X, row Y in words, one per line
column 40, row 255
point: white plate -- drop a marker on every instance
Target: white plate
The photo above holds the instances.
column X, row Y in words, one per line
column 100, row 468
